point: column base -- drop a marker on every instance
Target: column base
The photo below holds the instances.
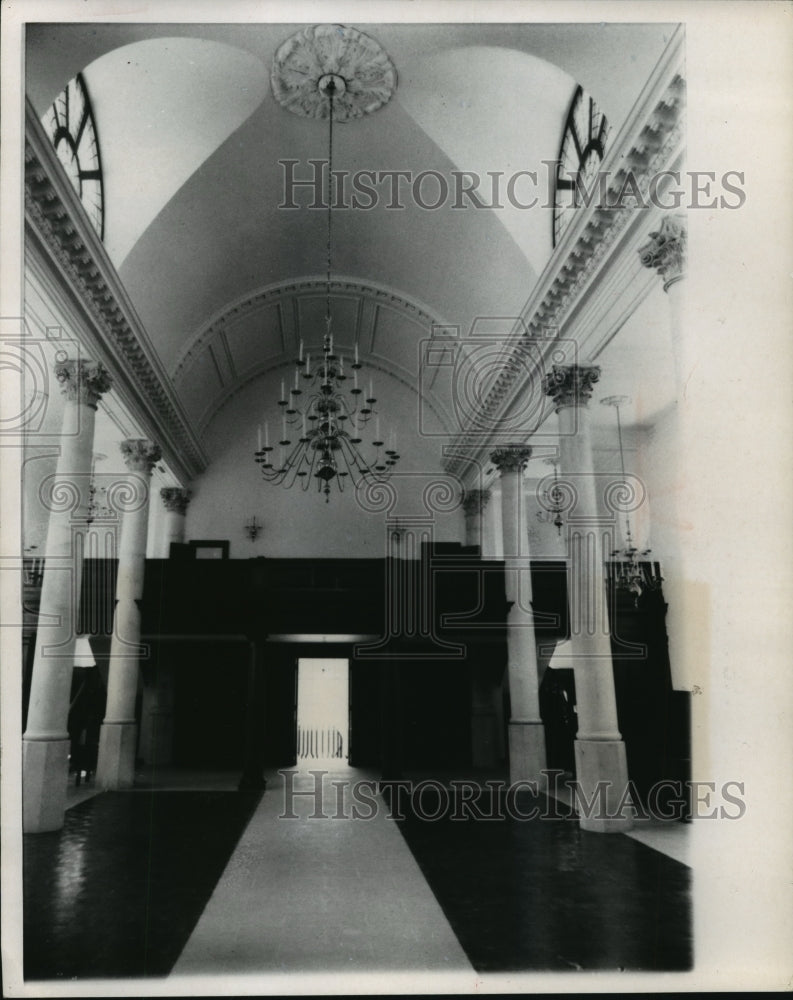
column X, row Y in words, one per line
column 115, row 767
column 601, row 782
column 45, row 770
column 526, row 752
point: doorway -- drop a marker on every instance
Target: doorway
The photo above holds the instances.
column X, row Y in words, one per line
column 322, row 711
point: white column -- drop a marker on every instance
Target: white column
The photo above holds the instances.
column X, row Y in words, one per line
column 474, row 503
column 599, row 749
column 116, row 764
column 665, row 253
column 45, row 747
column 175, row 500
column 526, row 732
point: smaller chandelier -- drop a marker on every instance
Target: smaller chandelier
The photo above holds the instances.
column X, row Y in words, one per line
column 253, row 528
column 553, row 500
column 631, row 575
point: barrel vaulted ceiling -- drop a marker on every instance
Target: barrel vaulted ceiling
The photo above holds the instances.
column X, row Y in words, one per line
column 227, row 283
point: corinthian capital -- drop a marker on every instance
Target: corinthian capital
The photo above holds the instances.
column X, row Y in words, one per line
column 82, row 381
column 475, row 501
column 511, row 458
column 666, row 250
column 140, row 454
column 570, row 385
column 175, row 499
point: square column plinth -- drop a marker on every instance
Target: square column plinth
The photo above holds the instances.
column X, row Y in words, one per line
column 116, row 765
column 45, row 765
column 602, row 779
column 527, row 752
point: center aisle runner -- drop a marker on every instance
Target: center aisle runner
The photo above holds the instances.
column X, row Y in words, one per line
column 312, row 895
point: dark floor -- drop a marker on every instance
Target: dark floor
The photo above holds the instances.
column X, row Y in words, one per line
column 118, row 891
column 543, row 895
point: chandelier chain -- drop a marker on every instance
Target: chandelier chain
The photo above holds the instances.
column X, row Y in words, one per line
column 330, row 89
column 628, row 537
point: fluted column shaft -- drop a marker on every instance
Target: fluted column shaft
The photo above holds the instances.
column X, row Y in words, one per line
column 599, row 750
column 526, row 733
column 116, row 764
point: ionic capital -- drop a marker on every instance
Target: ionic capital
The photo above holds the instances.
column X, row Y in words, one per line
column 140, row 454
column 475, row 501
column 511, row 458
column 570, row 385
column 666, row 250
column 175, row 499
column 82, row 381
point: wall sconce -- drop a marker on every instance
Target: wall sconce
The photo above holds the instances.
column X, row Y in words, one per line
column 253, row 528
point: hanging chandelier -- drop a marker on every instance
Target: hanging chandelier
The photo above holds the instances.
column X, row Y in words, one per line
column 553, row 500
column 324, row 421
column 632, row 574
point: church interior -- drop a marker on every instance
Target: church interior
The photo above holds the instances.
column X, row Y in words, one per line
column 357, row 599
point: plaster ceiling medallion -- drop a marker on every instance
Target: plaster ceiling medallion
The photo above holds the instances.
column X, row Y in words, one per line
column 363, row 76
